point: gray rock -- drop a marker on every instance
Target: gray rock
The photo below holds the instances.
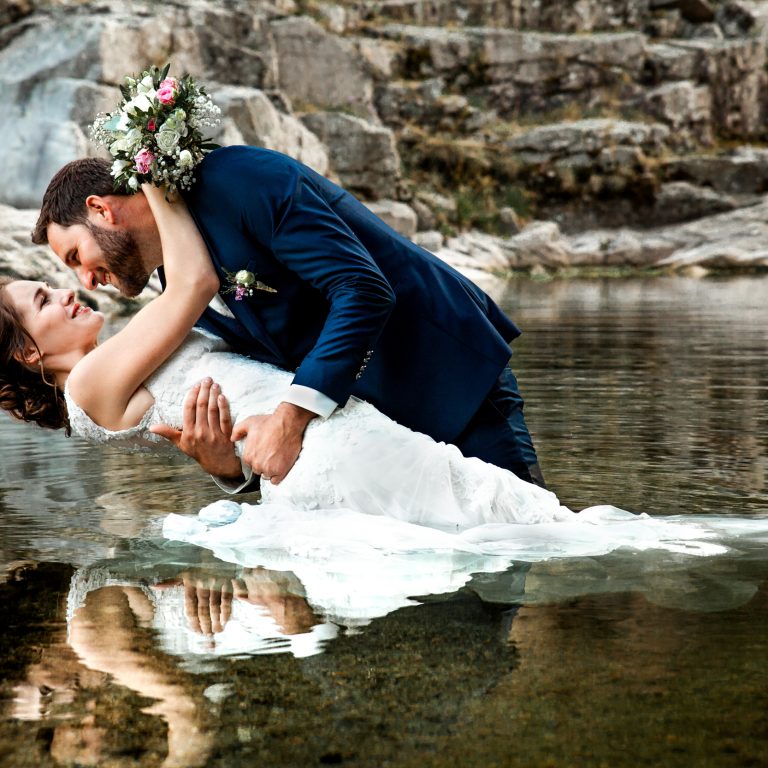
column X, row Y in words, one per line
column 476, row 250
column 740, row 19
column 539, row 244
column 426, row 219
column 234, row 46
column 334, row 17
column 319, row 69
column 438, row 203
column 260, row 124
column 520, row 71
column 732, row 240
column 401, row 217
column 705, row 32
column 379, row 57
column 664, row 24
column 363, row 155
column 509, row 221
column 682, row 201
column 685, row 107
column 586, row 138
column 573, row 16
column 735, row 72
column 424, row 103
column 744, row 172
column 607, row 248
column 42, row 129
column 430, row 240
column 667, row 61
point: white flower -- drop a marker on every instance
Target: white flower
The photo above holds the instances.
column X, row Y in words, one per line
column 141, row 102
column 244, row 277
column 133, row 183
column 167, row 140
column 185, row 159
column 124, row 123
column 147, row 84
column 119, row 166
column 128, row 143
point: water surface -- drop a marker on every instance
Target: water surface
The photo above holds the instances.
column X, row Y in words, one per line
column 647, row 393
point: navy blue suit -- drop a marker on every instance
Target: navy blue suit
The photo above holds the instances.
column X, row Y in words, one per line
column 358, row 309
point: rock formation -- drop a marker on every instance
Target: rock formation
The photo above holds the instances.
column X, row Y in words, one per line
column 465, row 123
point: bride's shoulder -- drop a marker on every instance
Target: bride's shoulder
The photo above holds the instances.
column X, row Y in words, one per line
column 81, row 380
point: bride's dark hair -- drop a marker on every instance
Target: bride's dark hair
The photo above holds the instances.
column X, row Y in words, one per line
column 24, row 390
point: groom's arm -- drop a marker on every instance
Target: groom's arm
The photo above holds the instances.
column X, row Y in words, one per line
column 276, row 204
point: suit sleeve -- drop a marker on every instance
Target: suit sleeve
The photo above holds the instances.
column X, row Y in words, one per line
column 286, row 214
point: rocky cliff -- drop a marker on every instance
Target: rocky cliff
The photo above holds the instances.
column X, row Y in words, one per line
column 499, row 133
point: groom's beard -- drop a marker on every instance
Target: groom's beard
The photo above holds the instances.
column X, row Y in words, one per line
column 122, row 258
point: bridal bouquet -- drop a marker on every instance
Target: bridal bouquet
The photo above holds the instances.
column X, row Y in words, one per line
column 155, row 133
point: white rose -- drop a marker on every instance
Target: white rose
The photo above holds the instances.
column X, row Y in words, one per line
column 185, row 159
column 141, row 102
column 119, row 166
column 146, row 85
column 167, row 140
column 124, row 123
column 127, row 143
column 244, row 277
column 133, row 183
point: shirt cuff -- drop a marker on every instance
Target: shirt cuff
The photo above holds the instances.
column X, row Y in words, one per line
column 235, row 486
column 311, row 399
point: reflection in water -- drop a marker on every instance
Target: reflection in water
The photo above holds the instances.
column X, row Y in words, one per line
column 648, row 394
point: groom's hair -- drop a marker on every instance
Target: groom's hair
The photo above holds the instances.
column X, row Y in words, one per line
column 64, row 200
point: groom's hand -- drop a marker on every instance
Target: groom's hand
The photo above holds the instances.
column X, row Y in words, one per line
column 273, row 443
column 206, row 430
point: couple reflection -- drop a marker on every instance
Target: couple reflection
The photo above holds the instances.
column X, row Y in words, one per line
column 151, row 625
column 123, row 637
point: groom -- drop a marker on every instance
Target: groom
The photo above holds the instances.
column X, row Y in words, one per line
column 337, row 296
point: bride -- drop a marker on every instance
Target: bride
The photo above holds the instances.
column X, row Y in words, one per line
column 56, row 374
column 357, row 461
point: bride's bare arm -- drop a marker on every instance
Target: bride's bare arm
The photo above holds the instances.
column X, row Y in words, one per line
column 107, row 383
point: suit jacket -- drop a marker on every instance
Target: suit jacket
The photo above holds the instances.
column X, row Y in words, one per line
column 359, row 309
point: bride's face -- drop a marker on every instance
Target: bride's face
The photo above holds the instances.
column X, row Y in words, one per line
column 53, row 318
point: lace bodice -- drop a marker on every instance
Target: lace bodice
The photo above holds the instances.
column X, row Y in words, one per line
column 250, row 386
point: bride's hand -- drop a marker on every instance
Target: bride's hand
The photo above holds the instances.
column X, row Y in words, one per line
column 155, row 194
column 206, row 431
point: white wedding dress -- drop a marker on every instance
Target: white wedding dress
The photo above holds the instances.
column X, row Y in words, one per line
column 364, row 486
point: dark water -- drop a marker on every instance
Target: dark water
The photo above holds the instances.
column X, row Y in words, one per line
column 648, row 393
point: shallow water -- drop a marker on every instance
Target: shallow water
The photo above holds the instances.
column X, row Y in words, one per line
column 646, row 393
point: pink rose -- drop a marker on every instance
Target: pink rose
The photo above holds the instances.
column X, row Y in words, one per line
column 144, row 159
column 166, row 92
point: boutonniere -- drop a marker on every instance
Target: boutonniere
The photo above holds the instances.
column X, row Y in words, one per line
column 244, row 283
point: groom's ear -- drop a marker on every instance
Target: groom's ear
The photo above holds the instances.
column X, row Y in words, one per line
column 101, row 207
